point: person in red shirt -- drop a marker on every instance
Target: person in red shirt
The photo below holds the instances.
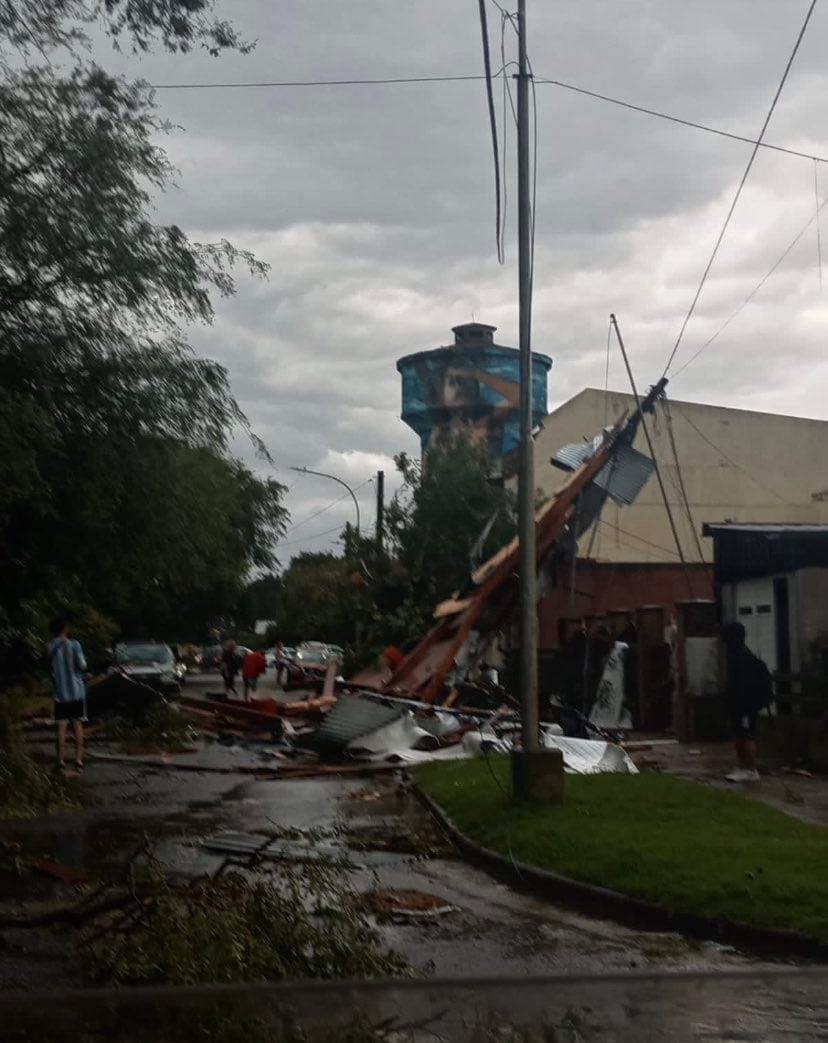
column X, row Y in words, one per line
column 253, row 667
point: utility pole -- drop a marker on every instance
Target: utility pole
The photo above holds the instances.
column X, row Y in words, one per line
column 526, row 466
column 380, row 513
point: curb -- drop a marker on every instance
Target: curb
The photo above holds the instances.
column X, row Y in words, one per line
column 633, row 912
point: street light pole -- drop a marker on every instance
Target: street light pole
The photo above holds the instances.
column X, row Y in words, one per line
column 333, row 478
column 526, row 463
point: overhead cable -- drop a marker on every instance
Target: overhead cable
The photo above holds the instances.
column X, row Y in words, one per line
column 678, row 119
column 816, row 215
column 730, row 460
column 403, row 80
column 681, row 486
column 756, row 288
column 327, row 507
column 307, row 539
column 487, row 66
column 748, row 168
column 646, row 429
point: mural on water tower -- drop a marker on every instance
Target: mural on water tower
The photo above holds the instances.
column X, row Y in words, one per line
column 473, row 385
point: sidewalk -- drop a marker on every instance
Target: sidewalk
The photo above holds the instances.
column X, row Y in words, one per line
column 802, row 796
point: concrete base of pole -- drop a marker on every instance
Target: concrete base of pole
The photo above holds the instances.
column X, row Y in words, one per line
column 538, row 776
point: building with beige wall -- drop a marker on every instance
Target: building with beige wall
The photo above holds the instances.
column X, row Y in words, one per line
column 736, row 465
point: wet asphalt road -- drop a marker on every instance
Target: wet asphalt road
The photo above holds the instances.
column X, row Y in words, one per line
column 492, row 931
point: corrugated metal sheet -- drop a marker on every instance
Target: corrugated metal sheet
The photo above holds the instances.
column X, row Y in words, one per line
column 350, row 719
column 624, row 475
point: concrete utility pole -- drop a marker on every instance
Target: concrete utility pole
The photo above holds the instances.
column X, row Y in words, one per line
column 536, row 774
column 380, row 512
column 526, row 466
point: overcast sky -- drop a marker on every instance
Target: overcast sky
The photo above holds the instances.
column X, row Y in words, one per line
column 374, row 207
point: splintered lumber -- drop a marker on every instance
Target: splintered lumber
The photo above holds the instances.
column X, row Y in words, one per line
column 493, row 591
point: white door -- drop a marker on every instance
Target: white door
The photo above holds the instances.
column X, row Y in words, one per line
column 754, row 609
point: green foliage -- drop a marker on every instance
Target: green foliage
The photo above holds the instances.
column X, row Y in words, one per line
column 303, row 923
column 681, row 844
column 178, row 25
column 446, row 520
column 318, row 600
column 260, row 599
column 118, row 502
column 26, row 789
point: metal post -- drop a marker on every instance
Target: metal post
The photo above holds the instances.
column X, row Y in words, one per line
column 526, row 467
column 380, row 512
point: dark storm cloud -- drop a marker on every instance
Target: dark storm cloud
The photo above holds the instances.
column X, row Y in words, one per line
column 373, row 206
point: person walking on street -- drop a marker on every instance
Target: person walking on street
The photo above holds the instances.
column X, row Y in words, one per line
column 253, row 666
column 749, row 690
column 229, row 667
column 68, row 665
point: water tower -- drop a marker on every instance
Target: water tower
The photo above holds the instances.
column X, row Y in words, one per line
column 472, row 385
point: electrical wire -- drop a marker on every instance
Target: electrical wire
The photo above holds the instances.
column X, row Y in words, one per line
column 816, row 215
column 378, row 82
column 606, row 375
column 681, row 486
column 748, row 168
column 391, row 81
column 640, row 539
column 316, row 514
column 307, row 539
column 487, row 66
column 322, row 510
column 730, row 459
column 755, row 290
column 677, row 119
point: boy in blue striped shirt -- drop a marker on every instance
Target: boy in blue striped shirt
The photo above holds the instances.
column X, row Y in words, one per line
column 68, row 667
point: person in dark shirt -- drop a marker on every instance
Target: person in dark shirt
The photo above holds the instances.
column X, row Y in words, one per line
column 748, row 690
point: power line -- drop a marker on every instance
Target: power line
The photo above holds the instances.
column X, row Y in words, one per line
column 632, row 535
column 748, row 168
column 403, row 80
column 731, row 461
column 322, row 510
column 307, row 539
column 487, row 66
column 316, row 514
column 380, row 81
column 816, row 215
column 677, row 119
column 682, row 488
column 755, row 290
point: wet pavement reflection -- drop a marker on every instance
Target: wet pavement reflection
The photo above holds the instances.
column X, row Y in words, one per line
column 392, row 843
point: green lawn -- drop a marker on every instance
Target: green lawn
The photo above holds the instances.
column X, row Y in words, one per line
column 681, row 844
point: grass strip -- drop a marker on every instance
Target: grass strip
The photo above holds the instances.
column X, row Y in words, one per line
column 684, row 845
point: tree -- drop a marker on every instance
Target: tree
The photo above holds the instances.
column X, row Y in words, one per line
column 261, row 599
column 447, row 519
column 179, row 25
column 318, row 600
column 118, row 492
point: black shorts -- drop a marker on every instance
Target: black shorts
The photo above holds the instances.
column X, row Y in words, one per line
column 74, row 711
column 743, row 721
column 251, row 682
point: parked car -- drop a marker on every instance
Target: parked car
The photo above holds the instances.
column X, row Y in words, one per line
column 312, row 660
column 149, row 662
column 287, row 655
